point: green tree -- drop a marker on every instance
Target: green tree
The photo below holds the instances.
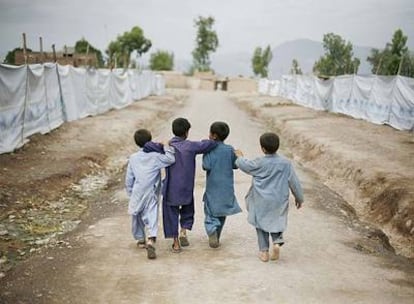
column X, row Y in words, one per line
column 162, row 61
column 120, row 50
column 338, row 59
column 10, row 57
column 394, row 58
column 261, row 60
column 295, row 69
column 206, row 43
column 83, row 46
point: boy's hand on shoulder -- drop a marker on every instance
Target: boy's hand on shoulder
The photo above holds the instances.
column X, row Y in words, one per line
column 238, row 153
column 298, row 204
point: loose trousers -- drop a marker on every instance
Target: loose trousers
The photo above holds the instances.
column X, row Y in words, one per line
column 174, row 215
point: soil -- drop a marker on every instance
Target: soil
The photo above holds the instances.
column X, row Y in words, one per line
column 64, row 231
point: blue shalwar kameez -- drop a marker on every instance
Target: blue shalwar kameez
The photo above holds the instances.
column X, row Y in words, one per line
column 267, row 200
column 219, row 199
column 143, row 186
column 178, row 186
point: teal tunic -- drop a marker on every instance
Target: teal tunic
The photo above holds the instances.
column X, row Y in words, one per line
column 219, row 198
column 268, row 197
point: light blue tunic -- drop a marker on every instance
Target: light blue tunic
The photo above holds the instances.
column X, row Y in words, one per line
column 219, row 198
column 268, row 197
column 143, row 183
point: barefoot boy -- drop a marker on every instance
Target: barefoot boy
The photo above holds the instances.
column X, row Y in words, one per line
column 268, row 198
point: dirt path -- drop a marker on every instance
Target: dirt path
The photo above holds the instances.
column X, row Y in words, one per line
column 323, row 261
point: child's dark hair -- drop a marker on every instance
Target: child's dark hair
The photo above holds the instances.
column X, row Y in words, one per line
column 142, row 136
column 269, row 142
column 180, row 126
column 221, row 129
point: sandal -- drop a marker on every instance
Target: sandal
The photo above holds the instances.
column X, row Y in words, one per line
column 141, row 244
column 151, row 252
column 184, row 241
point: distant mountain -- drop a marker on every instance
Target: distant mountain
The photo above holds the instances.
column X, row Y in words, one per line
column 305, row 51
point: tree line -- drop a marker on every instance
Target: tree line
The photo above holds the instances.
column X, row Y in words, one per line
column 126, row 50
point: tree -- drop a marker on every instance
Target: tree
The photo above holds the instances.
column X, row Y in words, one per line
column 120, row 50
column 261, row 60
column 206, row 43
column 295, row 69
column 162, row 61
column 394, row 58
column 338, row 59
column 10, row 57
column 83, row 46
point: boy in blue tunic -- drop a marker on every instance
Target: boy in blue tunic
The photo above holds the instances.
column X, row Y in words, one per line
column 219, row 199
column 143, row 186
column 268, row 197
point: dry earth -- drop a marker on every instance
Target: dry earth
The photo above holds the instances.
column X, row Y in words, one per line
column 64, row 233
column 370, row 166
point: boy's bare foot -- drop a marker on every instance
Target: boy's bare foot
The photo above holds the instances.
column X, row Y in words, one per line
column 264, row 256
column 275, row 252
column 176, row 248
column 183, row 238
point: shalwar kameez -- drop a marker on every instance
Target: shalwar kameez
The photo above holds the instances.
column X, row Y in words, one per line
column 178, row 186
column 219, row 199
column 267, row 200
column 143, row 186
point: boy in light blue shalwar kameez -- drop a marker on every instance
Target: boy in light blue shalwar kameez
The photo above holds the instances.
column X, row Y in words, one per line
column 143, row 186
column 219, row 199
column 268, row 197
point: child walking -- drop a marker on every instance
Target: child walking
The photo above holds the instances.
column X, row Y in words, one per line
column 178, row 186
column 143, row 186
column 268, row 197
column 219, row 199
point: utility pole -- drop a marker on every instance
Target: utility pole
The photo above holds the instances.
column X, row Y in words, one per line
column 54, row 53
column 24, row 48
column 42, row 55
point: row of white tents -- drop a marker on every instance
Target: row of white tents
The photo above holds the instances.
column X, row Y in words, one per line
column 378, row 99
column 39, row 98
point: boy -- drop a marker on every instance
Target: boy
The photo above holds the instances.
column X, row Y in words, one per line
column 219, row 199
column 268, row 197
column 143, row 185
column 178, row 187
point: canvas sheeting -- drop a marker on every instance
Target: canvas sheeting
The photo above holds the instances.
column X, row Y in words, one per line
column 378, row 99
column 39, row 98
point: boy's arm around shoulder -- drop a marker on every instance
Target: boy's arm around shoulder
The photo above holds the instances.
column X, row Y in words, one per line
column 295, row 187
column 168, row 158
column 204, row 146
column 153, row 147
column 247, row 166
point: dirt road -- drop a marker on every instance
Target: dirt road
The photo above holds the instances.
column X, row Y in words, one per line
column 323, row 260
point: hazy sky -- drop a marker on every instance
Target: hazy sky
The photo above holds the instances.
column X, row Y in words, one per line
column 241, row 25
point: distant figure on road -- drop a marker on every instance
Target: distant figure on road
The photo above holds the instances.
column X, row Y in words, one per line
column 219, row 199
column 268, row 197
column 143, row 185
column 178, row 187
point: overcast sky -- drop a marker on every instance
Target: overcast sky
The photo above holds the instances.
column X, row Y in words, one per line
column 241, row 25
